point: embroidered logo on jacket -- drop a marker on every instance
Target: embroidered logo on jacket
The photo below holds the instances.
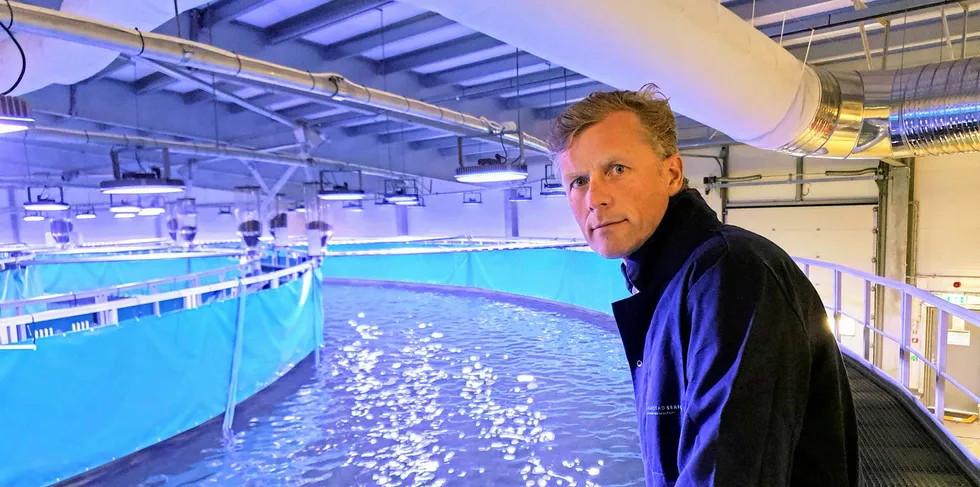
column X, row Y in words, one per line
column 664, row 410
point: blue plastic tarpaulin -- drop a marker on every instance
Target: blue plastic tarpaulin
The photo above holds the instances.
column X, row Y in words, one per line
column 20, row 283
column 580, row 278
column 82, row 276
column 84, row 399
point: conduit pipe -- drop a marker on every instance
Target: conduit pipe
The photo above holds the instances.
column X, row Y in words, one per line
column 81, row 137
column 721, row 71
column 188, row 54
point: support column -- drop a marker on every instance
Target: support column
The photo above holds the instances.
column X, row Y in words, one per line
column 158, row 225
column 799, row 175
column 14, row 215
column 511, row 218
column 892, row 258
column 723, row 192
column 401, row 220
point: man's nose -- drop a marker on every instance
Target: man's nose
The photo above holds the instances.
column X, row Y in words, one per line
column 598, row 194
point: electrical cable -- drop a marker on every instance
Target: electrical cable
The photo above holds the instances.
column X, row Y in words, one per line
column 177, row 18
column 23, row 57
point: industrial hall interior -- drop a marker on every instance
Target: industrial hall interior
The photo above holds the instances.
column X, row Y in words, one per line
column 401, row 242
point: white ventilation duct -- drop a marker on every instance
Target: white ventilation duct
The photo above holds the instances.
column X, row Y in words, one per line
column 719, row 70
column 57, row 61
column 715, row 67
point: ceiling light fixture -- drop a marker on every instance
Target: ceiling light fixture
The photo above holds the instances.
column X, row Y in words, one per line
column 123, row 206
column 124, row 215
column 153, row 206
column 495, row 170
column 151, row 211
column 85, row 213
column 381, row 200
column 134, row 183
column 520, row 194
column 43, row 202
column 33, row 217
column 341, row 192
column 472, row 198
column 355, row 206
column 551, row 187
column 401, row 191
column 15, row 115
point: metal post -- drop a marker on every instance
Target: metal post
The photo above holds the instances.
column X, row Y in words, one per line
column 156, row 304
column 806, row 269
column 723, row 192
column 943, row 330
column 799, row 170
column 966, row 18
column 14, row 217
column 236, row 358
column 837, row 304
column 906, row 338
column 867, row 320
column 884, row 49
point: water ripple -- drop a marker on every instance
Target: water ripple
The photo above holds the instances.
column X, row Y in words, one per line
column 420, row 388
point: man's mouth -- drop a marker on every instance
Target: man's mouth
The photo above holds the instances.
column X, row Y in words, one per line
column 607, row 224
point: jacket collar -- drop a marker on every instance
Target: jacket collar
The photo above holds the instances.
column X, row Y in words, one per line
column 687, row 223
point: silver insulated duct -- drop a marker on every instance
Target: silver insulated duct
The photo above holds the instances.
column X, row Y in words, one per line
column 206, row 58
column 729, row 76
column 921, row 111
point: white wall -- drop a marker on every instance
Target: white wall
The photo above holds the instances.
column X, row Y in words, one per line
column 447, row 216
column 948, row 193
column 373, row 221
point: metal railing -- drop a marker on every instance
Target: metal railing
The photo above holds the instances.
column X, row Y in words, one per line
column 486, row 246
column 151, row 285
column 122, row 255
column 107, row 313
column 873, row 326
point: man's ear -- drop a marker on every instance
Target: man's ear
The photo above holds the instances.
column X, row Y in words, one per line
column 674, row 168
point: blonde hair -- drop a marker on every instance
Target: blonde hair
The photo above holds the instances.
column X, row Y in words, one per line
column 648, row 104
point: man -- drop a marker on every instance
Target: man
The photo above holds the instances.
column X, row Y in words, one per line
column 737, row 377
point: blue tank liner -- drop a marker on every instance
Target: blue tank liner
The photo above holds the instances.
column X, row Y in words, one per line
column 575, row 277
column 87, row 398
column 20, row 283
column 81, row 276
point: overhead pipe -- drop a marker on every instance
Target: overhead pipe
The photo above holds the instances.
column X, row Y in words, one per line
column 118, row 142
column 732, row 77
column 188, row 54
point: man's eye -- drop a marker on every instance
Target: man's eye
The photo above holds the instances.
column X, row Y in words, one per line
column 619, row 169
column 578, row 182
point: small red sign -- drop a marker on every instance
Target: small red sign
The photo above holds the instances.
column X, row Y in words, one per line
column 915, row 340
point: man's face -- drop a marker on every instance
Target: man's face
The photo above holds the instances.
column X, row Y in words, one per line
column 617, row 186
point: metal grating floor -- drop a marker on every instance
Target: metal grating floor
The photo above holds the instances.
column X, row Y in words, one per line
column 896, row 449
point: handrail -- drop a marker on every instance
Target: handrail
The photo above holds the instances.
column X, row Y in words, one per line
column 417, row 250
column 110, row 309
column 924, row 296
column 114, row 290
column 137, row 257
column 904, row 341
